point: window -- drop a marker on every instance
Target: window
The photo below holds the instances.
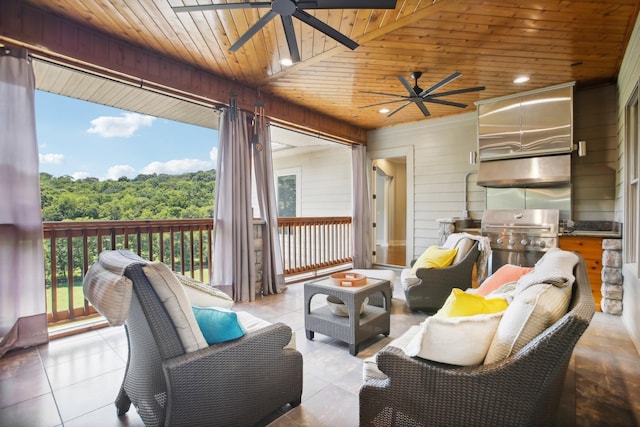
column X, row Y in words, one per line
column 632, row 210
column 288, row 192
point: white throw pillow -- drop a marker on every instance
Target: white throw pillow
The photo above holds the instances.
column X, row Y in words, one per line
column 175, row 301
column 455, row 340
column 203, row 295
column 531, row 312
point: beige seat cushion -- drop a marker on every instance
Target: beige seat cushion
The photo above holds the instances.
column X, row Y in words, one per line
column 370, row 367
column 408, row 278
column 252, row 323
column 531, row 312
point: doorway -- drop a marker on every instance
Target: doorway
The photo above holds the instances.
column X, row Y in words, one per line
column 392, row 184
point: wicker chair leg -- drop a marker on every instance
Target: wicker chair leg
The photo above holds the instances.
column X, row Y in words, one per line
column 123, row 403
column 295, row 403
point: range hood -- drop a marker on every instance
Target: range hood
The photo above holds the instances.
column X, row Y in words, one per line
column 540, row 171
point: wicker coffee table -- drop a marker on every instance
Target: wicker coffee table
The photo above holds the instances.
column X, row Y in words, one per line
column 357, row 327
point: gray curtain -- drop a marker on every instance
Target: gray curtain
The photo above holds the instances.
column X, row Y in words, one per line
column 361, row 223
column 233, row 248
column 23, row 317
column 272, row 269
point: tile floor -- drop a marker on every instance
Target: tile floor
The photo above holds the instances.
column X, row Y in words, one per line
column 73, row 381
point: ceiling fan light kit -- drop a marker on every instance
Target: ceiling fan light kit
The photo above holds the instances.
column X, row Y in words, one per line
column 419, row 96
column 287, row 9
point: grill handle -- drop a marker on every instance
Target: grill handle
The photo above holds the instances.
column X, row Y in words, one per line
column 539, row 227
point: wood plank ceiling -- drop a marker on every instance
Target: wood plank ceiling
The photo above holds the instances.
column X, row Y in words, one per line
column 489, row 41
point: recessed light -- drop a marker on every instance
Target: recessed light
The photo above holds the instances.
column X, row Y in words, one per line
column 383, row 111
column 286, row 62
column 521, row 79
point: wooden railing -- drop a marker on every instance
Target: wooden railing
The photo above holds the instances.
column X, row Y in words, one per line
column 71, row 247
column 308, row 245
column 312, row 244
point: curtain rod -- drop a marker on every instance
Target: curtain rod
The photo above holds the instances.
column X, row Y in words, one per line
column 109, row 75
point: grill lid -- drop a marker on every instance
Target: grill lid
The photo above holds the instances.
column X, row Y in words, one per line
column 542, row 222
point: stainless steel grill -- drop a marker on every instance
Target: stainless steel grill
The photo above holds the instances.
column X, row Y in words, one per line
column 519, row 236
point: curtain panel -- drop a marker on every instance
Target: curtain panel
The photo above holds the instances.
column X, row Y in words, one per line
column 233, row 247
column 23, row 317
column 272, row 267
column 361, row 223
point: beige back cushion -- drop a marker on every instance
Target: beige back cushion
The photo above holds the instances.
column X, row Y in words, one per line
column 531, row 312
column 460, row 242
column 175, row 301
column 109, row 293
column 463, row 246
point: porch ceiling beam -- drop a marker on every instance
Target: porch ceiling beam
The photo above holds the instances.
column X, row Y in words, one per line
column 70, row 43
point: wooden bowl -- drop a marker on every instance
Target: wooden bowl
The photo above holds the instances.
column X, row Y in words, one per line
column 349, row 279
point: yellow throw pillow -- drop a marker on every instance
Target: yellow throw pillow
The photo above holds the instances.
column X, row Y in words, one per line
column 461, row 304
column 435, row 257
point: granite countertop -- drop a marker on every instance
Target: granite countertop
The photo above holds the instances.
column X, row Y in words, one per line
column 606, row 229
column 594, row 233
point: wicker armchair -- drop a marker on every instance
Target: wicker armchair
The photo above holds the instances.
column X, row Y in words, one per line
column 436, row 283
column 523, row 389
column 234, row 383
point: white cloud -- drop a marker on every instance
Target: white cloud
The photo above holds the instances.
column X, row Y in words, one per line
column 175, row 167
column 125, row 126
column 80, row 175
column 213, row 155
column 119, row 171
column 51, row 158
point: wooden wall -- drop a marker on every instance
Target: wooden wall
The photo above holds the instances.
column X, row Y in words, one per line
column 326, row 180
column 441, row 163
column 628, row 82
column 594, row 176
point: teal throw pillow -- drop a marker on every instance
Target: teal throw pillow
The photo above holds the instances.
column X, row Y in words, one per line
column 218, row 324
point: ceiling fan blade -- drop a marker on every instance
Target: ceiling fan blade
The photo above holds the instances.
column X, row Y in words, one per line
column 346, row 4
column 222, row 6
column 398, row 109
column 455, row 92
column 382, row 93
column 253, row 30
column 290, row 34
column 443, row 102
column 407, row 86
column 326, row 29
column 383, row 103
column 423, row 108
column 441, row 83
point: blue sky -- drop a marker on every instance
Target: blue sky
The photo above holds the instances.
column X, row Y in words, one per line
column 82, row 139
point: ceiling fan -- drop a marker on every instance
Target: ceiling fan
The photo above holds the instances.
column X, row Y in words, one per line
column 288, row 8
column 419, row 96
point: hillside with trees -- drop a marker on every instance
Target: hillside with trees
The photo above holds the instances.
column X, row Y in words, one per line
column 153, row 196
